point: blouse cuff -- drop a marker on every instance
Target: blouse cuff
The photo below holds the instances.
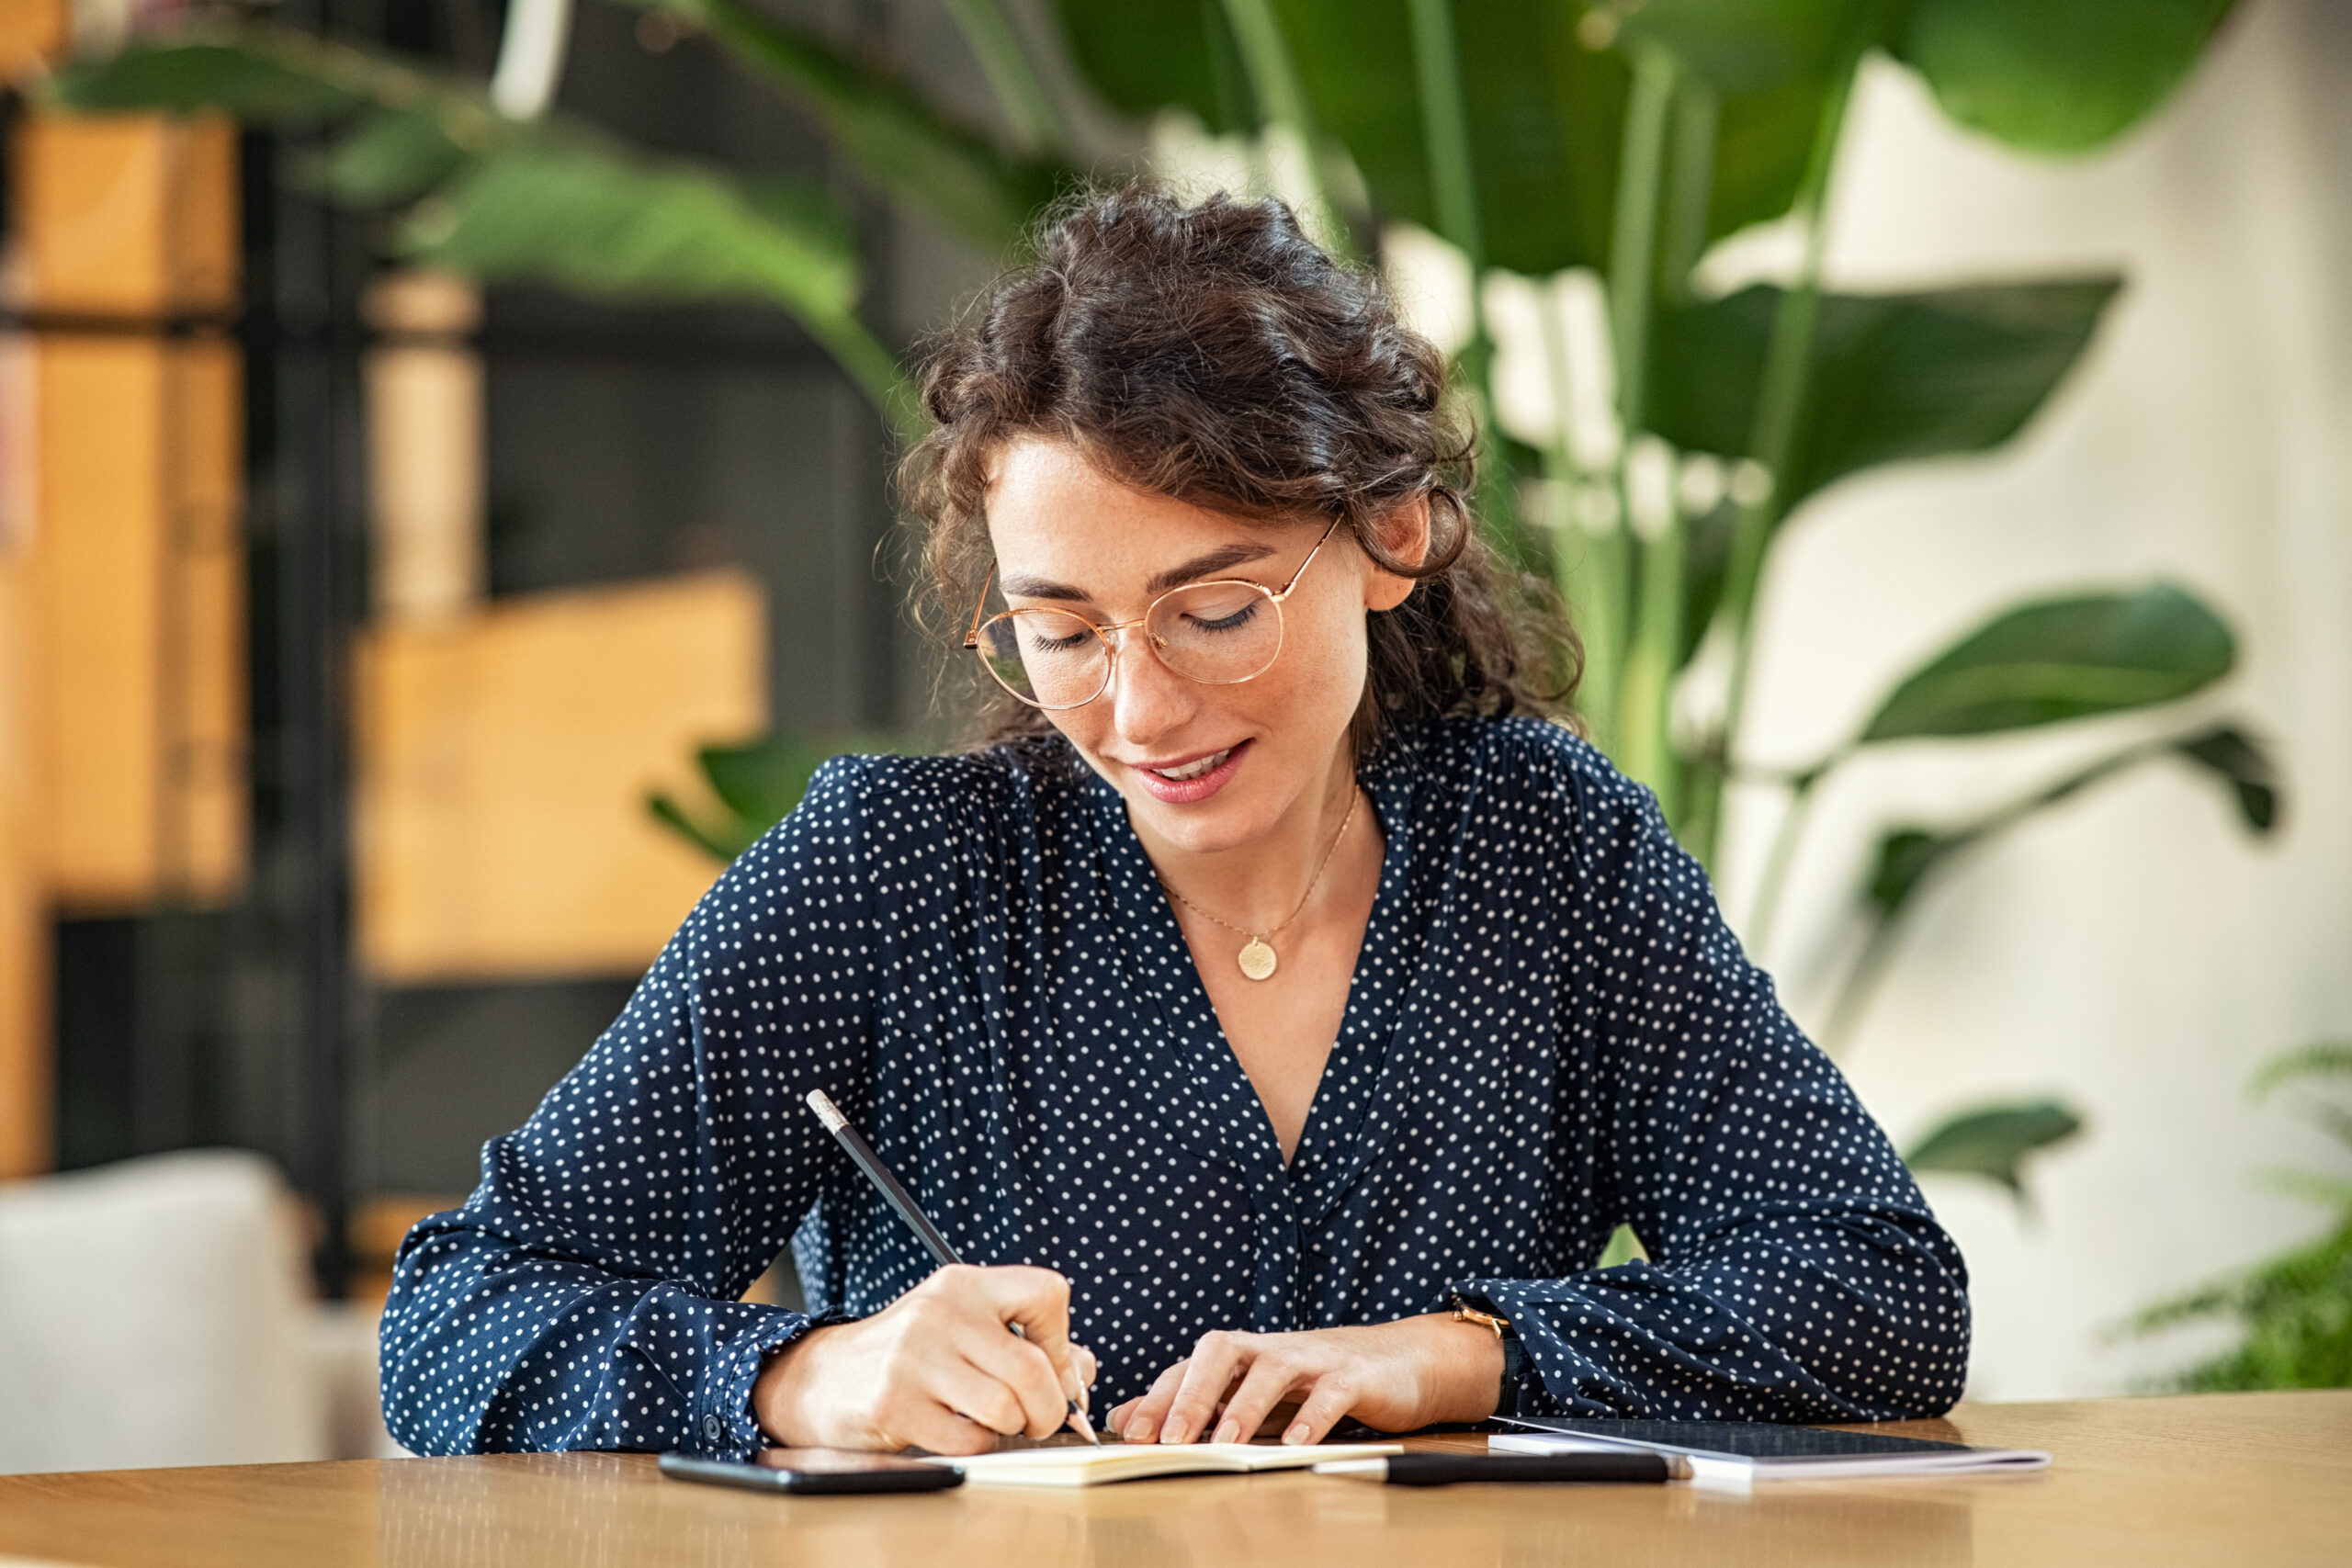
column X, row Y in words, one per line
column 726, row 1426
column 1552, row 1375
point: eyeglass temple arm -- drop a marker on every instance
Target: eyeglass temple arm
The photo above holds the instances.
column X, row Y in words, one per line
column 972, row 633
column 1295, row 576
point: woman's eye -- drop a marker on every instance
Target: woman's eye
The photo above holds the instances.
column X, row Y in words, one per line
column 1232, row 623
column 1060, row 644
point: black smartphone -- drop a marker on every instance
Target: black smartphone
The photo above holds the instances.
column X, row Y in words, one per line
column 807, row 1470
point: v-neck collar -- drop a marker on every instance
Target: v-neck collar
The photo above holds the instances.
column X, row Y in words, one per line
column 1332, row 1148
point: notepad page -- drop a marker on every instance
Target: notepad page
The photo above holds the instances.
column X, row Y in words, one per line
column 1073, row 1465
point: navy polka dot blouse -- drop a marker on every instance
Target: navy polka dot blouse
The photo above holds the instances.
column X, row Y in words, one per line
column 1550, row 1033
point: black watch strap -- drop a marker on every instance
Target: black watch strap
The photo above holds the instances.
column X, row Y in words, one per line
column 1517, row 1373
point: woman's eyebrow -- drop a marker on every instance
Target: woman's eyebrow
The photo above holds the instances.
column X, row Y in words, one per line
column 1224, row 558
column 1038, row 588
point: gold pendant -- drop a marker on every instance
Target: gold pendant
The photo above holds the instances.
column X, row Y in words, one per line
column 1256, row 960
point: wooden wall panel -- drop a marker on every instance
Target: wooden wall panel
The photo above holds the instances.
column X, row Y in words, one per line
column 127, row 214
column 139, row 571
column 203, row 844
column 98, row 565
column 425, row 470
column 25, row 1118
column 121, row 562
column 32, row 32
column 504, row 759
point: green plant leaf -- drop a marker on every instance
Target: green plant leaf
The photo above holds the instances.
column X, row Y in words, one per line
column 600, row 221
column 1907, row 856
column 2063, row 659
column 721, row 841
column 1747, row 46
column 899, row 141
column 1623, row 1247
column 549, row 201
column 393, row 156
column 1995, row 1141
column 2228, row 753
column 2056, row 76
column 2295, row 1311
column 1546, row 111
column 1904, row 858
column 757, row 784
column 1142, row 56
column 237, row 78
column 2329, row 1059
column 1895, row 376
column 1763, row 141
column 764, row 780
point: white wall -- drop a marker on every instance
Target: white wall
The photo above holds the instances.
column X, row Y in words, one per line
column 2135, row 952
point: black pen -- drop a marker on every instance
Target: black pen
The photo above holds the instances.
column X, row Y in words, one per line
column 1444, row 1469
column 901, row 1200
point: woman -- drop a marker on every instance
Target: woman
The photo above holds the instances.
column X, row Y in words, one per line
column 1283, row 1006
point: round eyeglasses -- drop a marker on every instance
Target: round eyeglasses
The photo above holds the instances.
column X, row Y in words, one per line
column 1220, row 633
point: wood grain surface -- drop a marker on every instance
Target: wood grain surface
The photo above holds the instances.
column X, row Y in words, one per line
column 2233, row 1479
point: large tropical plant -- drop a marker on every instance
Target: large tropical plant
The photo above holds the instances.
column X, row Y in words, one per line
column 1619, row 140
column 2292, row 1312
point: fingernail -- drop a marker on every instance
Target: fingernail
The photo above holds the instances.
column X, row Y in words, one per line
column 1297, row 1434
column 1138, row 1430
column 1173, row 1433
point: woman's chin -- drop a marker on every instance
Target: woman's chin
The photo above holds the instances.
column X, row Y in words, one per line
column 1206, row 828
column 1228, row 818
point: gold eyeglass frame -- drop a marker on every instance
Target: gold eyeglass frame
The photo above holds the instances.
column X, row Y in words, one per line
column 1110, row 644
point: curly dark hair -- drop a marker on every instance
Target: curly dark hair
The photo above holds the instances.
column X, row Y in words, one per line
column 1214, row 353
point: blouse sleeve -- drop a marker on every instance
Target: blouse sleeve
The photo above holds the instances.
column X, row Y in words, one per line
column 586, row 1294
column 1794, row 1271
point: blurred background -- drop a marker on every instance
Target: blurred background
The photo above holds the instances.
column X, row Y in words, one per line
column 444, row 515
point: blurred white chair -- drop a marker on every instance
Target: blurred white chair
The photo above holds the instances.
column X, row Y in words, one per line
column 157, row 1313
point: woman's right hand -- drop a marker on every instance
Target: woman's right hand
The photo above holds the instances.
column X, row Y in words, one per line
column 936, row 1369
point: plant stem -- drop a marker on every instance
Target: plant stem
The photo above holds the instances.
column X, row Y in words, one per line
column 1646, row 747
column 1691, row 188
column 1780, row 403
column 1868, row 968
column 1273, row 77
column 1654, row 661
column 1454, row 181
column 1632, row 241
column 1588, row 565
column 1445, row 133
column 1652, row 610
column 1784, row 848
column 860, row 353
column 1860, row 986
column 1037, row 124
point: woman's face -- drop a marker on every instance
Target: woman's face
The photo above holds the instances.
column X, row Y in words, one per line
column 1069, row 537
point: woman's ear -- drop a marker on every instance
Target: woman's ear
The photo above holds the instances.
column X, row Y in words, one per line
column 1404, row 531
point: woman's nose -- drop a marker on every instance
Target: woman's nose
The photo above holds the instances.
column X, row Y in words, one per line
column 1146, row 698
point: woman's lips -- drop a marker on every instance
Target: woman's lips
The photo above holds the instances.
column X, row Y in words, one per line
column 1184, row 792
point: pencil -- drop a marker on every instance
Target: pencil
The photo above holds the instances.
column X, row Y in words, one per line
column 866, row 1160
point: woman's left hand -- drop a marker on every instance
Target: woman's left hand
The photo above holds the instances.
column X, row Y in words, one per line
column 1393, row 1376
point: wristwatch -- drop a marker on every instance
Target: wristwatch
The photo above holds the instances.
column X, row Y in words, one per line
column 1515, row 1368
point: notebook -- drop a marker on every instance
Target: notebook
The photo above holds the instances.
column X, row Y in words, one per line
column 1739, row 1453
column 1084, row 1465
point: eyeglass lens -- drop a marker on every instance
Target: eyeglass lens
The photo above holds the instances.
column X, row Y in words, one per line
column 1215, row 633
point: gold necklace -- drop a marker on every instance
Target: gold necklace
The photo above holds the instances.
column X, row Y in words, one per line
column 1256, row 956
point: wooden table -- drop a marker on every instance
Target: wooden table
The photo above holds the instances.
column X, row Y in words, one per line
column 2234, row 1478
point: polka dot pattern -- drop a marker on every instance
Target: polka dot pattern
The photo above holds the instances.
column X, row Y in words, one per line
column 1550, row 1031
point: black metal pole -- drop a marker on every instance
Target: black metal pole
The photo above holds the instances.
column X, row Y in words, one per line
column 303, row 339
